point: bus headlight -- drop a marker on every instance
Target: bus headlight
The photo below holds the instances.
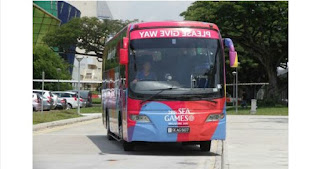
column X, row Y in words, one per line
column 139, row 118
column 215, row 117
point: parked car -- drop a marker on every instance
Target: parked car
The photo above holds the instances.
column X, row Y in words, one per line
column 230, row 99
column 55, row 100
column 36, row 102
column 86, row 95
column 48, row 95
column 47, row 104
column 71, row 98
column 82, row 102
column 62, row 103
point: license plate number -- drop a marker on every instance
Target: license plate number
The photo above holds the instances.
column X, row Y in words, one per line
column 178, row 129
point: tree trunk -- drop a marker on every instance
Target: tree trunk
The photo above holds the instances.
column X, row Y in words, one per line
column 272, row 92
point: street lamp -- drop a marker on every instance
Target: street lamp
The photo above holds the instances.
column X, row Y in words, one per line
column 237, row 87
column 234, row 87
column 58, row 70
column 79, row 58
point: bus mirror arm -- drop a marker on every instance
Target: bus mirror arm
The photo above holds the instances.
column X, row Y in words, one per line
column 233, row 56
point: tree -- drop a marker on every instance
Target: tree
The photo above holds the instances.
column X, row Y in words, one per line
column 85, row 33
column 259, row 28
column 44, row 59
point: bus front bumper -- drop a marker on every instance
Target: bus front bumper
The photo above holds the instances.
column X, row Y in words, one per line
column 153, row 132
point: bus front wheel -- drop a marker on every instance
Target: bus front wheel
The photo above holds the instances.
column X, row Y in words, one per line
column 205, row 146
column 128, row 146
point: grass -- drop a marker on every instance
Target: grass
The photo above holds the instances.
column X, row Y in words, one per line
column 96, row 100
column 54, row 115
column 48, row 116
column 95, row 92
column 279, row 111
column 96, row 109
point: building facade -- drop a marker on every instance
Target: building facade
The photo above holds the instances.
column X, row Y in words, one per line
column 43, row 22
column 48, row 15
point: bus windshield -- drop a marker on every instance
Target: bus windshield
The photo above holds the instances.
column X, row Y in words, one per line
column 190, row 67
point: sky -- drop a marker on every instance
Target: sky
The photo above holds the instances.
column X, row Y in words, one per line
column 148, row 10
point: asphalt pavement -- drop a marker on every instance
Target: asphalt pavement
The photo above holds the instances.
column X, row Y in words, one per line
column 252, row 142
column 84, row 145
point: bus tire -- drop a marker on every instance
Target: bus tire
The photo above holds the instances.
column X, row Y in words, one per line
column 128, row 146
column 205, row 146
column 108, row 128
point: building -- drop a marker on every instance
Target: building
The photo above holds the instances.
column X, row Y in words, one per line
column 48, row 15
column 44, row 20
column 90, row 67
column 99, row 9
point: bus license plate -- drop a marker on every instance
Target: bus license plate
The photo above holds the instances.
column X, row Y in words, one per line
column 178, row 129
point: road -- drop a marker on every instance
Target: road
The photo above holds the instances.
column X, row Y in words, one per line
column 84, row 145
column 252, row 142
column 257, row 142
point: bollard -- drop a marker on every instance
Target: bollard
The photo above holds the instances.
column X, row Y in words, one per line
column 253, row 106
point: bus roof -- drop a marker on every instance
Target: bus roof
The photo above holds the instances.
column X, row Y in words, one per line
column 173, row 24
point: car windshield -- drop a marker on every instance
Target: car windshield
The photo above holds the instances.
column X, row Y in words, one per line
column 192, row 67
column 39, row 92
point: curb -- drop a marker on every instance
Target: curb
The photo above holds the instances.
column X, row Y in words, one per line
column 225, row 160
column 219, row 157
column 46, row 125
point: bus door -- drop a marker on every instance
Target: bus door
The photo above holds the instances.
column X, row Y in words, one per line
column 113, row 99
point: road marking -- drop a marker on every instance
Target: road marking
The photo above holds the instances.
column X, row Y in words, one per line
column 58, row 128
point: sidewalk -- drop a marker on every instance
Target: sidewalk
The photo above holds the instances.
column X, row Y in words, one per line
column 257, row 142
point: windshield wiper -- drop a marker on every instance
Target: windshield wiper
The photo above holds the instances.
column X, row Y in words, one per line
column 156, row 94
column 199, row 97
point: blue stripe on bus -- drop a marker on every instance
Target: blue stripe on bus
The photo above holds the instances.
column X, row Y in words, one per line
column 156, row 130
column 220, row 133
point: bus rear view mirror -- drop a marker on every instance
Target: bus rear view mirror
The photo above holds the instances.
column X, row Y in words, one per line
column 123, row 56
column 233, row 56
column 125, row 42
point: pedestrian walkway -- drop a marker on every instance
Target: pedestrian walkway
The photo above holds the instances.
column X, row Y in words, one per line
column 257, row 142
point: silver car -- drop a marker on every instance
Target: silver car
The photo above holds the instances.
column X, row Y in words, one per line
column 36, row 102
column 47, row 104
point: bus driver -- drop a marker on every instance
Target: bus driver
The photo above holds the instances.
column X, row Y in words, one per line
column 145, row 75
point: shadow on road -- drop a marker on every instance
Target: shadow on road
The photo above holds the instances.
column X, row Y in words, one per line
column 161, row 149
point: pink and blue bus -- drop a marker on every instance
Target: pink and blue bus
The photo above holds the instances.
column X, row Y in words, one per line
column 165, row 82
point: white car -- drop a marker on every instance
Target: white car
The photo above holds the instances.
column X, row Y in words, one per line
column 55, row 100
column 36, row 102
column 48, row 95
column 71, row 97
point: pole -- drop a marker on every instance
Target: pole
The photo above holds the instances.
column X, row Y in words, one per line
column 42, row 91
column 79, row 87
column 233, row 90
column 236, row 90
column 58, row 71
column 58, row 84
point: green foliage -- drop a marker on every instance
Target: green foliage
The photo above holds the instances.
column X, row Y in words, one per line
column 44, row 59
column 88, row 33
column 259, row 31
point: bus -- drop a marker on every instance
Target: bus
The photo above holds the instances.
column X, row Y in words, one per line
column 165, row 82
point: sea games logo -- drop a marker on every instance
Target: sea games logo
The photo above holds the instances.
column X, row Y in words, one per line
column 183, row 115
